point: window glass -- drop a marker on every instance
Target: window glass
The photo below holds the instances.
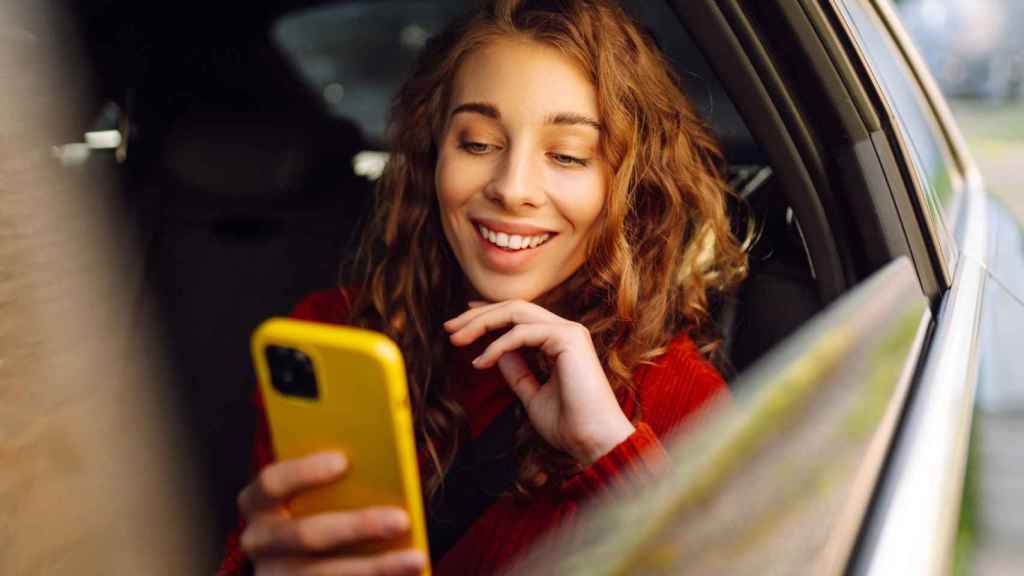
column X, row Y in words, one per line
column 931, row 157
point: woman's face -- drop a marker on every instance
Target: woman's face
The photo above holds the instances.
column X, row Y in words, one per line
column 520, row 180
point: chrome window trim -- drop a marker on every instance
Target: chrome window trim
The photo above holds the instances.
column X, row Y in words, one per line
column 912, row 528
column 928, row 85
column 849, row 29
column 930, row 94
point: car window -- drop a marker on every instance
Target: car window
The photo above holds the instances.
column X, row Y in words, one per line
column 931, row 158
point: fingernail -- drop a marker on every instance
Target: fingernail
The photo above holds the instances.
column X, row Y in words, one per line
column 397, row 521
column 335, row 463
column 477, row 360
column 413, row 559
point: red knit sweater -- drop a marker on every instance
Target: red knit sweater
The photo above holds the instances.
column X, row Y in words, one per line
column 670, row 391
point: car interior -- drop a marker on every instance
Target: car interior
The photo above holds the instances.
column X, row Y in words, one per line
column 253, row 141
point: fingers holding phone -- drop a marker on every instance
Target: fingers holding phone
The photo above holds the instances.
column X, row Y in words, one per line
column 344, row 496
column 279, row 481
column 387, row 564
column 279, row 543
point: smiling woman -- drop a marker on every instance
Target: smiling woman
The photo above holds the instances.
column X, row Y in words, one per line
column 519, row 161
column 545, row 240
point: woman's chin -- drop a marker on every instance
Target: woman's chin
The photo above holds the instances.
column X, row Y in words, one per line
column 502, row 289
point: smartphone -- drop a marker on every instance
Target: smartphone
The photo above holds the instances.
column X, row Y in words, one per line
column 328, row 387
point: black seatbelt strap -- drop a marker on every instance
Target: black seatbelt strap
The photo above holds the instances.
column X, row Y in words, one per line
column 482, row 470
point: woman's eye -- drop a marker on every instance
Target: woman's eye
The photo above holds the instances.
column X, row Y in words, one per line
column 475, row 147
column 567, row 160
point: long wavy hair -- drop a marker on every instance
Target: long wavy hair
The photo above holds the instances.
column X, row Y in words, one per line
column 663, row 245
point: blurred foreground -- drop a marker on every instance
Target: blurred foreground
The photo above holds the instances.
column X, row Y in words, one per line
column 91, row 478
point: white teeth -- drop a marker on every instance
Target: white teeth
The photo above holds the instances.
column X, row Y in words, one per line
column 513, row 241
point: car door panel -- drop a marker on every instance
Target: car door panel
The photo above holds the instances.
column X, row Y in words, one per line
column 1001, row 374
column 911, row 527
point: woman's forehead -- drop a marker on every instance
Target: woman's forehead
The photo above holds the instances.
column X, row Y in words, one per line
column 523, row 80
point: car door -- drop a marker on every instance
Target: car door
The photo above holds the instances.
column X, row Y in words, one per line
column 914, row 522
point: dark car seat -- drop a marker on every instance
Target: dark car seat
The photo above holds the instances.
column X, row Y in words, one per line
column 780, row 292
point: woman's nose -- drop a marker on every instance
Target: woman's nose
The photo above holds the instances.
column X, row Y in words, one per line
column 516, row 182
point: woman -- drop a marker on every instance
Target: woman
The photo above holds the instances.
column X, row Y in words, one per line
column 547, row 235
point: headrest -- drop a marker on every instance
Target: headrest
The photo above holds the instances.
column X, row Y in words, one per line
column 236, row 157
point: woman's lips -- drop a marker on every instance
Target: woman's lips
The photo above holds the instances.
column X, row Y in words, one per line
column 506, row 259
column 509, row 227
column 513, row 241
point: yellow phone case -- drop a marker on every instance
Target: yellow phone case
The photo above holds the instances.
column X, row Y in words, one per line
column 362, row 410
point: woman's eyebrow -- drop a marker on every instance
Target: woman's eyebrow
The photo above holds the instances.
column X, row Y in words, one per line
column 482, row 108
column 560, row 118
column 572, row 119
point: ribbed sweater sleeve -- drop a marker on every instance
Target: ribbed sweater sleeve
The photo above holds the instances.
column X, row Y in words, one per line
column 666, row 395
column 640, row 453
column 669, row 392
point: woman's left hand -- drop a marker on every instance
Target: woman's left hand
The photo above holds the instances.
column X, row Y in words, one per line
column 575, row 410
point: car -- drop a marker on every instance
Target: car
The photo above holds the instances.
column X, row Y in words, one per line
column 885, row 286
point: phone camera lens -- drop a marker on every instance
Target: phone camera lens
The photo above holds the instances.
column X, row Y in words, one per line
column 291, row 372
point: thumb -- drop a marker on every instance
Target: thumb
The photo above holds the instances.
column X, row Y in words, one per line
column 519, row 376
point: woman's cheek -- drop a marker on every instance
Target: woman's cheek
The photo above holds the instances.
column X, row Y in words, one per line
column 581, row 197
column 442, row 178
column 457, row 179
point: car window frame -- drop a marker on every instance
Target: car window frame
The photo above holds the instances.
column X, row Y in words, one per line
column 937, row 224
column 748, row 71
column 969, row 173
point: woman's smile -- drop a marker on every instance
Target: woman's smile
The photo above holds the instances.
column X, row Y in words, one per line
column 504, row 251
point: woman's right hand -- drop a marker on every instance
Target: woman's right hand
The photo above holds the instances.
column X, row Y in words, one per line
column 278, row 543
